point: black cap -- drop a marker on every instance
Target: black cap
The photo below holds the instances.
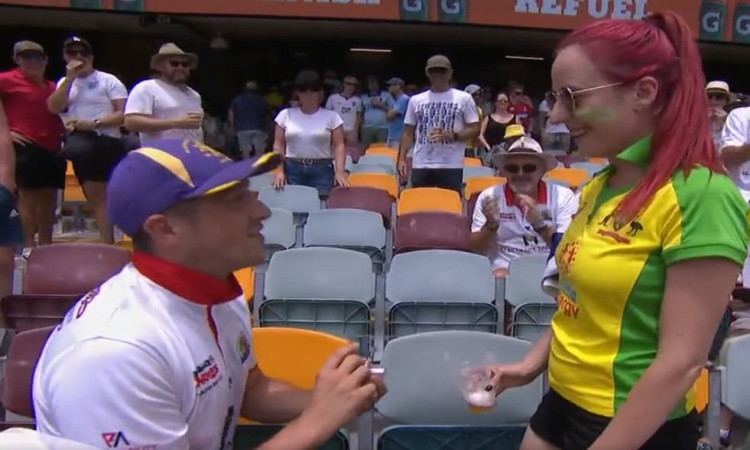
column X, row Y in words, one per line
column 307, row 79
column 75, row 40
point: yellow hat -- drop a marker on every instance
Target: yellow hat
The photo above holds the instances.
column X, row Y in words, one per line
column 512, row 131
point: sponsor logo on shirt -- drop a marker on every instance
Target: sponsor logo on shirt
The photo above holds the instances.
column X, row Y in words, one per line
column 508, row 217
column 617, row 232
column 243, row 347
column 114, row 439
column 206, row 375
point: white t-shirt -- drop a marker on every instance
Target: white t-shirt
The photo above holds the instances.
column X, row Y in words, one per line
column 549, row 127
column 516, row 236
column 90, row 98
column 25, row 439
column 308, row 135
column 346, row 108
column 451, row 110
column 736, row 133
column 162, row 100
column 133, row 365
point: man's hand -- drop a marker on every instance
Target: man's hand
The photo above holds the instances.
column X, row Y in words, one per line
column 344, row 390
column 84, row 125
column 74, row 69
column 191, row 121
column 530, row 211
column 491, row 212
column 440, row 135
column 19, row 138
column 403, row 167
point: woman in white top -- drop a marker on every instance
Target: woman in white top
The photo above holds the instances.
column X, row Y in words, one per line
column 312, row 140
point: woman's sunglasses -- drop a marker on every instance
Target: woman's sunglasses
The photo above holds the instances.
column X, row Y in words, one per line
column 567, row 96
column 525, row 168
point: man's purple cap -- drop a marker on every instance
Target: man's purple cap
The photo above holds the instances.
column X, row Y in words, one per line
column 150, row 180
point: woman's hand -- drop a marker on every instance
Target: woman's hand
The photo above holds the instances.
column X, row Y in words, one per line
column 508, row 376
column 342, row 179
column 280, row 181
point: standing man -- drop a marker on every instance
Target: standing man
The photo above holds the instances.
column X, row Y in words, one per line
column 476, row 93
column 718, row 98
column 376, row 103
column 161, row 355
column 520, row 105
column 11, row 232
column 249, row 115
column 165, row 106
column 396, row 115
column 94, row 101
column 440, row 120
column 37, row 136
column 349, row 107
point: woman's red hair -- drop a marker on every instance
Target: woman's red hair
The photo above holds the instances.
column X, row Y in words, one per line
column 660, row 46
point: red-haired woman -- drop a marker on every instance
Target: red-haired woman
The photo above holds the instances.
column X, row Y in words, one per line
column 647, row 265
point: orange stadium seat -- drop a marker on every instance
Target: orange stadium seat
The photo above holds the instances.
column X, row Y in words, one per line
column 73, row 192
column 429, row 199
column 574, row 178
column 598, row 160
column 472, row 162
column 701, row 387
column 388, row 183
column 385, row 151
column 246, row 279
column 378, row 145
column 478, row 184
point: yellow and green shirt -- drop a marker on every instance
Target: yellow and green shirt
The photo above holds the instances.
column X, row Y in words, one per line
column 612, row 277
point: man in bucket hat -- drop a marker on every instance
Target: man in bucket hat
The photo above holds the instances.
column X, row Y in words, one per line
column 523, row 215
column 165, row 107
column 161, row 355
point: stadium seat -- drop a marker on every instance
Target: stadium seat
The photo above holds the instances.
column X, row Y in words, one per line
column 378, row 145
column 382, row 181
column 300, row 200
column 432, row 230
column 734, row 361
column 125, row 244
column 319, row 288
column 472, row 162
column 572, row 178
column 478, row 184
column 259, row 182
column 278, row 231
column 474, row 172
column 429, row 199
column 18, row 370
column 471, row 204
column 392, row 153
column 431, row 290
column 531, row 320
column 246, row 278
column 71, row 268
column 29, row 311
column 362, row 197
column 353, row 229
column 383, row 160
column 415, row 437
column 600, row 161
column 363, row 167
column 590, row 168
column 422, row 370
column 524, row 282
column 348, row 163
column 355, row 151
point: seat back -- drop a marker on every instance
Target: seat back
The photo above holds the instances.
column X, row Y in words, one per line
column 600, row 161
column 421, row 365
column 363, row 167
column 27, row 312
column 590, row 167
column 246, row 278
column 382, row 181
column 429, row 199
column 432, row 230
column 294, row 198
column 383, row 160
column 384, row 151
column 71, row 268
column 531, row 320
column 259, row 182
column 471, row 204
column 18, row 371
column 278, row 231
column 478, row 184
column 415, row 437
column 735, row 357
column 361, row 197
column 292, row 355
column 347, row 228
column 524, row 282
column 480, row 171
column 472, row 162
column 573, row 178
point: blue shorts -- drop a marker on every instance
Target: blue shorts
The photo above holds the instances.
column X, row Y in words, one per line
column 11, row 232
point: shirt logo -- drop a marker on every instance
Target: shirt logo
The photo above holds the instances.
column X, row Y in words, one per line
column 567, row 257
column 507, row 217
column 206, row 375
column 113, row 440
column 243, row 348
column 614, row 230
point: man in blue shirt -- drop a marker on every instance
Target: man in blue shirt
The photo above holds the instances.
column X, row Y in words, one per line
column 396, row 115
column 376, row 104
column 248, row 116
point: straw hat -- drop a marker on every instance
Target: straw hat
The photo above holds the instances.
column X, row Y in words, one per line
column 525, row 146
column 170, row 50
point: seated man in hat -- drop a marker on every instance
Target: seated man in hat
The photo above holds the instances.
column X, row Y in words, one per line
column 160, row 356
column 524, row 215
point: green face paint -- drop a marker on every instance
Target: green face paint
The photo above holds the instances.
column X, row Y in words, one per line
column 596, row 114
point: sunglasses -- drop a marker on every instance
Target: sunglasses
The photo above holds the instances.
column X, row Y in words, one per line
column 82, row 52
column 185, row 64
column 717, row 97
column 502, row 100
column 32, row 56
column 525, row 168
column 567, row 96
column 438, row 71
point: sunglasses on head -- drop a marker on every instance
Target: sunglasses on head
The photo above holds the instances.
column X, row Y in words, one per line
column 175, row 63
column 567, row 96
column 32, row 55
column 525, row 168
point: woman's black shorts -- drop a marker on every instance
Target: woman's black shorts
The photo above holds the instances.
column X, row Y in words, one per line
column 93, row 156
column 569, row 427
column 39, row 168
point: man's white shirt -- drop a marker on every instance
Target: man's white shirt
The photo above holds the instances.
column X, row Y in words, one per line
column 161, row 100
column 133, row 365
column 516, row 236
column 91, row 97
column 451, row 110
column 346, row 108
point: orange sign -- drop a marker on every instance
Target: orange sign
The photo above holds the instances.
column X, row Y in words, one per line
column 711, row 20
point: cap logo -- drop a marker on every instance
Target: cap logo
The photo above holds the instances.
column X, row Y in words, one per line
column 169, row 162
column 188, row 145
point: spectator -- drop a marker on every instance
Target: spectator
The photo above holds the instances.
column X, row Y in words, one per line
column 376, row 104
column 349, row 107
column 520, row 105
column 312, row 140
column 438, row 123
column 165, row 106
column 556, row 136
column 476, row 93
column 492, row 131
column 94, row 101
column 248, row 114
column 37, row 135
column 11, row 231
column 396, row 115
column 718, row 99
